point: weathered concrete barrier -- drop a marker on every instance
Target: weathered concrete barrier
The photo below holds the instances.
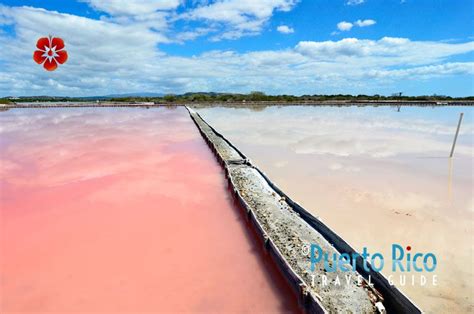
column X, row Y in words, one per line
column 286, row 228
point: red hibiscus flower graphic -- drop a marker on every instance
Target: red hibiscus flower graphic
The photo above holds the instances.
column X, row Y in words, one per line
column 50, row 52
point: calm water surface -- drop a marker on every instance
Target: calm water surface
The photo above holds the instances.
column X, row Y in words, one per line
column 377, row 177
column 107, row 210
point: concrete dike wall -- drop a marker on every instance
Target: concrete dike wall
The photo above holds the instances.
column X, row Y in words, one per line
column 286, row 229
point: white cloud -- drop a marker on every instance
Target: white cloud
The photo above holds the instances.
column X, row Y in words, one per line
column 223, row 19
column 128, row 60
column 387, row 51
column 193, row 34
column 151, row 14
column 344, row 26
column 132, row 7
column 347, row 26
column 364, row 23
column 354, row 2
column 82, row 35
column 239, row 17
column 284, row 29
column 426, row 72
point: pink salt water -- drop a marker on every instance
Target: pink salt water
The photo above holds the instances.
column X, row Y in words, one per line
column 107, row 210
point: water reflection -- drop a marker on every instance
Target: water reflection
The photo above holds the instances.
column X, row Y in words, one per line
column 377, row 176
column 121, row 210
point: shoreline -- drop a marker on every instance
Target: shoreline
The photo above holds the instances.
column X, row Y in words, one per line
column 342, row 103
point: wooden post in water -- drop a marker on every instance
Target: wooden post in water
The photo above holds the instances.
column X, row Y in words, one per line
column 456, row 136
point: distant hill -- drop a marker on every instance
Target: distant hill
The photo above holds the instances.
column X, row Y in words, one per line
column 85, row 98
column 126, row 95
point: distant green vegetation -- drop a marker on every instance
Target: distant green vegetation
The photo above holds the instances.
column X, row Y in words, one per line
column 241, row 98
column 40, row 98
column 259, row 96
column 5, row 101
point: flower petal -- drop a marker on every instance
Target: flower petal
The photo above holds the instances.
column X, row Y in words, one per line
column 58, row 42
column 42, row 42
column 61, row 56
column 50, row 65
column 38, row 56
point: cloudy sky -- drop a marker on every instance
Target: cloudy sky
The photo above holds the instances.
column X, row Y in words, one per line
column 277, row 46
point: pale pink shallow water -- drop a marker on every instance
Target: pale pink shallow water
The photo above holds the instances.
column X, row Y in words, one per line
column 377, row 177
column 122, row 210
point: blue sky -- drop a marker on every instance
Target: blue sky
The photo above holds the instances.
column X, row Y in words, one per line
column 276, row 46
